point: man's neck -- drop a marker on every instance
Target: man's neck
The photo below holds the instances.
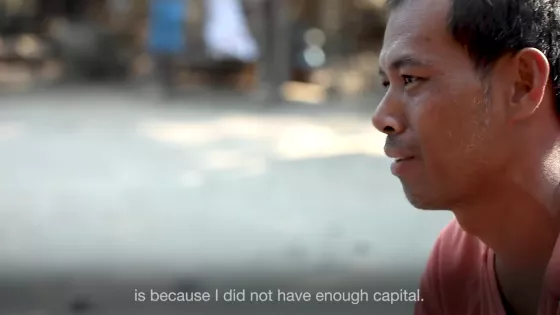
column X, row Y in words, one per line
column 520, row 228
column 522, row 232
column 519, row 214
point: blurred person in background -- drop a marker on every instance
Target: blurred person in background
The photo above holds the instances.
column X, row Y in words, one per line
column 167, row 39
column 226, row 32
column 229, row 42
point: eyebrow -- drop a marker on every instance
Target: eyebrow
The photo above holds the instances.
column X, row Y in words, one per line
column 405, row 61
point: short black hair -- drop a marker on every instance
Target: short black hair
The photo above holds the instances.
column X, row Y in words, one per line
column 490, row 29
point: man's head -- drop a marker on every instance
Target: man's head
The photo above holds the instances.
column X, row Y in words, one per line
column 471, row 85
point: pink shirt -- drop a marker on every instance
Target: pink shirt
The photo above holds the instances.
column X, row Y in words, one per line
column 460, row 279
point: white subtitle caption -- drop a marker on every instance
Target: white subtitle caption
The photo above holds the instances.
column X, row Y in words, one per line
column 241, row 296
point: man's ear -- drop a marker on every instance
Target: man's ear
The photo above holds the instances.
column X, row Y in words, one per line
column 530, row 70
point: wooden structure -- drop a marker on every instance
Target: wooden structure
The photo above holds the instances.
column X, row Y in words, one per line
column 350, row 26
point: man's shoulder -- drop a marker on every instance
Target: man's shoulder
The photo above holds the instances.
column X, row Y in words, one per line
column 458, row 267
column 455, row 246
column 458, row 259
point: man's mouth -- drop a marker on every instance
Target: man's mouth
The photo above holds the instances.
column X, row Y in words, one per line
column 404, row 159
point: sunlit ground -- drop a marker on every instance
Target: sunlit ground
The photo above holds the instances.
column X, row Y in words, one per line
column 286, row 138
column 119, row 182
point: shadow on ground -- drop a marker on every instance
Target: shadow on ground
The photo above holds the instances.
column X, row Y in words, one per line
column 301, row 226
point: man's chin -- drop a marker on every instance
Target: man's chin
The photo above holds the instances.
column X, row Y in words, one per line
column 425, row 207
column 421, row 202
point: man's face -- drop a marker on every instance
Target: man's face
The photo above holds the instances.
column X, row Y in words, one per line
column 439, row 115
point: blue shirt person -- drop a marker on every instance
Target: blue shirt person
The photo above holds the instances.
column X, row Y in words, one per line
column 166, row 39
column 166, row 26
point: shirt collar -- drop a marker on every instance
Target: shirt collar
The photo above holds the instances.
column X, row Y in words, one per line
column 553, row 271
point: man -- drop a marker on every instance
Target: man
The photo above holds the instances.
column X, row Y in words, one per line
column 472, row 117
column 166, row 39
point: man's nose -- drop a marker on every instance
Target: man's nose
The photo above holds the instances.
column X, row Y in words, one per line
column 388, row 117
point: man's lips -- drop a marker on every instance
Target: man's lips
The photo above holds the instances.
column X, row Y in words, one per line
column 404, row 159
column 401, row 165
column 399, row 155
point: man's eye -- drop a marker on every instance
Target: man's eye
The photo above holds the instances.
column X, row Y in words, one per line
column 408, row 79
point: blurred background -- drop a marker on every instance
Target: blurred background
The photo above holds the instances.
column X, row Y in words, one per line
column 189, row 144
